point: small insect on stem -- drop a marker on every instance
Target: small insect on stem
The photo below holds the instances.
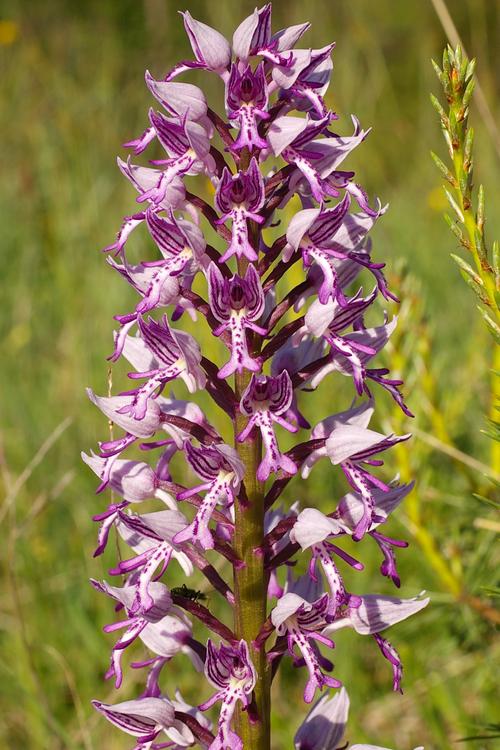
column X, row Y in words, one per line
column 192, row 594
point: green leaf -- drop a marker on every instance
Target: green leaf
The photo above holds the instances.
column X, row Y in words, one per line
column 444, row 169
column 439, row 109
column 468, row 93
column 479, row 737
column 457, row 231
column 493, row 430
column 478, row 290
column 463, row 70
column 469, row 142
column 454, row 205
column 453, row 126
column 470, row 69
column 487, row 500
column 465, row 184
column 496, row 263
column 490, row 323
column 447, row 138
column 480, row 209
column 447, row 54
column 438, row 71
column 481, row 249
column 467, row 269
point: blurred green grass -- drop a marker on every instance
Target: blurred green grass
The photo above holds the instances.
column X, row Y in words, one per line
column 72, row 91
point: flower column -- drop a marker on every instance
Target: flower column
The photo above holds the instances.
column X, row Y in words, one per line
column 250, row 581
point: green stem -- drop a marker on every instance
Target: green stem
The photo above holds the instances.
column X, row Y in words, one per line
column 250, row 581
column 486, row 275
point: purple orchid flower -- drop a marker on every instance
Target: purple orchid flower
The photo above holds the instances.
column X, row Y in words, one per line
column 324, row 726
column 144, row 718
column 264, row 401
column 180, row 242
column 254, row 38
column 291, row 137
column 188, row 148
column 310, row 76
column 112, row 407
column 222, row 471
column 237, row 303
column 225, row 257
column 151, row 537
column 146, row 181
column 246, row 104
column 329, row 321
column 160, row 355
column 181, row 100
column 330, row 235
column 376, row 613
column 302, row 621
column 239, row 198
column 232, row 673
column 133, row 625
column 311, row 530
column 350, row 444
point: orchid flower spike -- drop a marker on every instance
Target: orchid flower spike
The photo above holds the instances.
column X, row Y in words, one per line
column 274, row 263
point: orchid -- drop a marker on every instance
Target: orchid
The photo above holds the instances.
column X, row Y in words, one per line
column 239, row 198
column 324, row 726
column 220, row 263
column 237, row 303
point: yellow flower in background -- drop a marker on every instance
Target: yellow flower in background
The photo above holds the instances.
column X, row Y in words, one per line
column 9, row 32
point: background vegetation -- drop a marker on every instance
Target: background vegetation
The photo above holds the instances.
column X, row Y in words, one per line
column 72, row 91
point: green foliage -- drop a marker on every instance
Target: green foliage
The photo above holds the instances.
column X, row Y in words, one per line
column 72, row 92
